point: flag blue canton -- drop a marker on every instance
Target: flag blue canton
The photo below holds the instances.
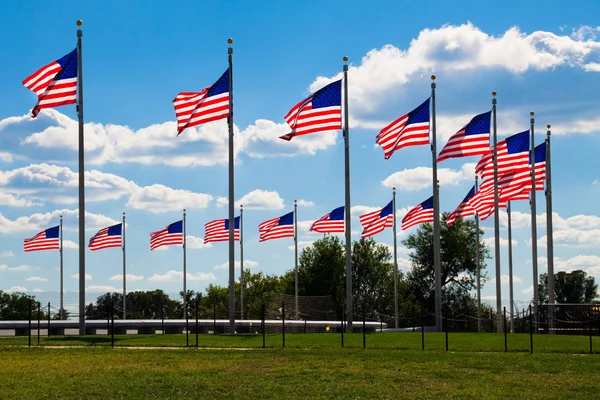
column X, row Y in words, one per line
column 287, row 219
column 52, row 233
column 69, row 66
column 329, row 96
column 427, row 204
column 419, row 114
column 220, row 86
column 518, row 143
column 480, row 124
column 387, row 210
column 115, row 230
column 176, row 227
column 540, row 153
column 469, row 195
column 236, row 223
column 337, row 214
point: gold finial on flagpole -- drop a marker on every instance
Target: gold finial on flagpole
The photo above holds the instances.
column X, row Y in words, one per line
column 494, row 93
column 230, row 41
column 531, row 113
column 433, row 77
column 345, row 59
column 79, row 22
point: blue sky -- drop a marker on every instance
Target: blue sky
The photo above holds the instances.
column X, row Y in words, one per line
column 538, row 56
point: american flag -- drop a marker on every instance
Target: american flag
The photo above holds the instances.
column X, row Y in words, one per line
column 218, row 230
column 483, row 202
column 472, row 140
column 197, row 108
column 411, row 129
column 171, row 234
column 55, row 84
column 330, row 223
column 464, row 209
column 45, row 240
column 321, row 111
column 513, row 153
column 277, row 228
column 375, row 222
column 516, row 185
column 419, row 214
column 107, row 237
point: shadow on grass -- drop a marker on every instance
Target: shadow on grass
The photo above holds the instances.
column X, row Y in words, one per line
column 85, row 340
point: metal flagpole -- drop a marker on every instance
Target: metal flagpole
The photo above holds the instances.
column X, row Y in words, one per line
column 478, row 261
column 395, row 262
column 184, row 268
column 510, row 268
column 437, row 264
column 231, row 195
column 124, row 272
column 62, row 310
column 497, row 222
column 549, row 231
column 81, row 184
column 347, row 228
column 534, row 255
column 296, row 254
column 241, row 261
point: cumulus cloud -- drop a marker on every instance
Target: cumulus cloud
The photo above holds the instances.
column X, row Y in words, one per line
column 37, row 183
column 36, row 279
column 16, row 289
column 491, row 242
column 505, row 279
column 42, row 220
column 173, row 275
column 257, row 199
column 130, row 277
column 247, row 264
column 19, row 268
column 302, row 244
column 102, row 289
column 419, row 178
column 88, row 277
column 7, row 253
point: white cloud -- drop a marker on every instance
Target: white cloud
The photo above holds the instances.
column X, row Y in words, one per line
column 130, row 277
column 528, row 291
column 420, row 177
column 194, row 242
column 573, row 238
column 37, row 290
column 587, row 263
column 69, row 244
column 595, row 182
column 36, row 279
column 505, row 279
column 15, row 289
column 59, row 184
column 19, row 268
column 257, row 200
column 247, row 264
column 173, row 275
column 102, row 289
column 491, row 242
column 302, row 244
column 88, row 277
column 305, row 203
column 7, row 253
column 40, row 221
column 462, row 48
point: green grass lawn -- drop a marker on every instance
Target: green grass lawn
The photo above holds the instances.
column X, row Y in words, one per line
column 457, row 342
column 292, row 373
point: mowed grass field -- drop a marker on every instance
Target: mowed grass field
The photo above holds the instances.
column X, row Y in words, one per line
column 311, row 366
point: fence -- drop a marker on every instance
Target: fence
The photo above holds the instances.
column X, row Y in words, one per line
column 267, row 321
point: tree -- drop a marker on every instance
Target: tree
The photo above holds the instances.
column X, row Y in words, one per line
column 569, row 287
column 458, row 263
column 154, row 304
column 15, row 306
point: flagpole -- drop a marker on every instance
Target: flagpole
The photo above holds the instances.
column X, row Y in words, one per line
column 296, row 254
column 241, row 260
column 497, row 222
column 510, row 268
column 124, row 273
column 81, row 184
column 437, row 264
column 478, row 261
column 534, row 254
column 62, row 310
column 231, row 195
column 184, row 268
column 395, row 262
column 348, row 232
column 549, row 230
